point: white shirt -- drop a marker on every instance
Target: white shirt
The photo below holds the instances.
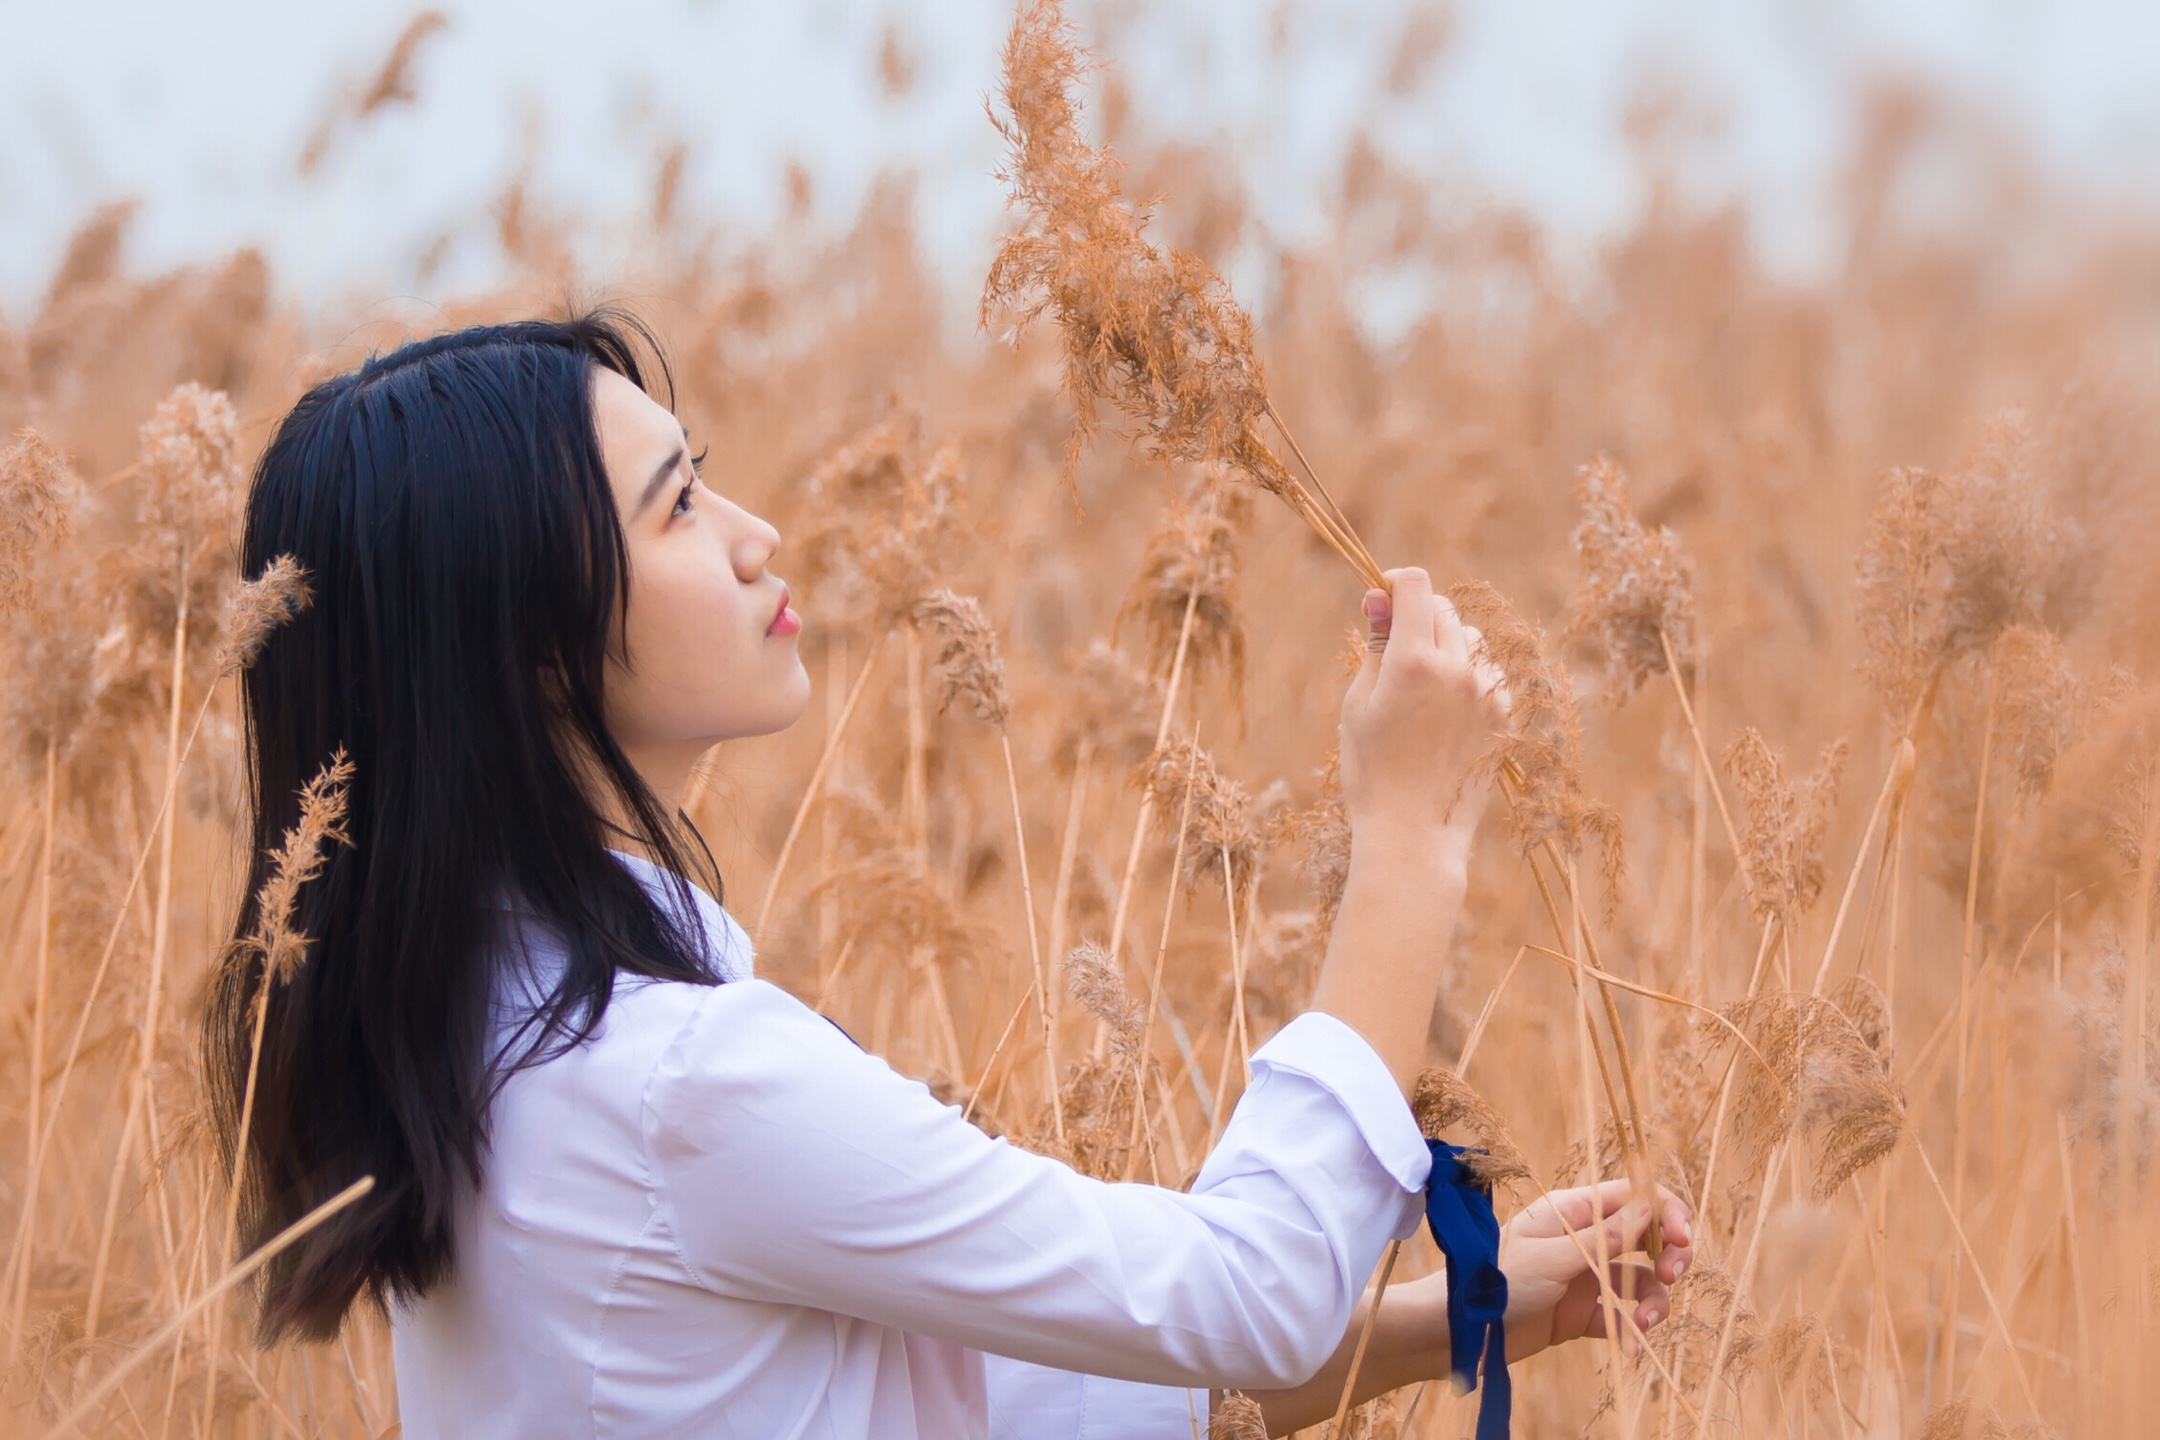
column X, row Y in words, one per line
column 719, row 1217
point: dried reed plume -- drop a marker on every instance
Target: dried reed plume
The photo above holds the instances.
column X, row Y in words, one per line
column 1767, row 1072
column 888, row 907
column 1638, row 594
column 1443, row 1101
column 393, row 84
column 966, row 661
column 1091, row 975
column 189, row 457
column 1156, row 333
column 1794, row 1349
column 877, row 522
column 1189, row 569
column 1225, row 839
column 1237, row 1416
column 1948, row 564
column 1323, row 833
column 37, row 496
column 276, row 942
column 1849, row 1103
column 275, row 949
column 1539, row 756
column 1113, row 705
column 257, row 608
column 1783, row 840
column 1815, row 1071
column 1705, row 1301
column 1100, row 1094
column 1377, row 1419
column 1965, row 1420
column 2036, row 702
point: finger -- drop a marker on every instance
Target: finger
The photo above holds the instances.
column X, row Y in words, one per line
column 1624, row 1224
column 1411, row 635
column 1450, row 636
column 1581, row 1206
column 1679, row 1236
column 1653, row 1301
column 1640, row 1298
column 1679, row 1220
column 1378, row 608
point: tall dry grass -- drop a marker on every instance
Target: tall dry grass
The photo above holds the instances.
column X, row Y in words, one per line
column 1061, row 836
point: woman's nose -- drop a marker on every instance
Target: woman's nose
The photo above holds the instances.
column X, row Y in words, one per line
column 756, row 547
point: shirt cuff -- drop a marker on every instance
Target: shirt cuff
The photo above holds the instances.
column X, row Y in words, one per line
column 1340, row 1061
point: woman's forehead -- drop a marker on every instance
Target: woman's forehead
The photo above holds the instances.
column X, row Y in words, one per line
column 636, row 431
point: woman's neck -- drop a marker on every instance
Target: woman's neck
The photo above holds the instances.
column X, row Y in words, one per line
column 666, row 772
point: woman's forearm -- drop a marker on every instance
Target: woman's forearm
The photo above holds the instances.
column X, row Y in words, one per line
column 1390, row 945
column 1409, row 1344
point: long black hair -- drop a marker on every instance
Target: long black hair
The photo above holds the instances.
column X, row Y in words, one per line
column 450, row 507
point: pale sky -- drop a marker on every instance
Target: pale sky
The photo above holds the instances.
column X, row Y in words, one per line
column 203, row 110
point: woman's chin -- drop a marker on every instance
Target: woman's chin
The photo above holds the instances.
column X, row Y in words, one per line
column 792, row 700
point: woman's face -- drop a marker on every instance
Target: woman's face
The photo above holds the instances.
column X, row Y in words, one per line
column 709, row 640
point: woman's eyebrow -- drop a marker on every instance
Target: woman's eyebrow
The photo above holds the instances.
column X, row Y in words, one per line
column 660, row 476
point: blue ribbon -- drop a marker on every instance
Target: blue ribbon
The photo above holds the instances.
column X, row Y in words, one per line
column 1460, row 1212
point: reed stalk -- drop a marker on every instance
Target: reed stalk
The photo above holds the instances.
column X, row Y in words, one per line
column 233, row 1278
column 816, row 785
column 1987, row 1291
column 1068, row 854
column 975, row 1090
column 1234, row 1033
column 33, row 1139
column 1485, row 1012
column 160, row 934
column 1900, row 773
column 1035, row 953
column 1967, row 937
column 1147, row 801
column 15, row 1277
column 1585, row 1040
column 1372, row 1313
column 1146, row 1047
column 915, row 780
column 1702, row 759
column 1742, row 1282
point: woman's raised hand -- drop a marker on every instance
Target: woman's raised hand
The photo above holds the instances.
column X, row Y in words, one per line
column 1417, row 716
column 1553, row 1292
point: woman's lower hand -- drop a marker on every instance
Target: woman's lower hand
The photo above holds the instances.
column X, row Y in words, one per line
column 1553, row 1291
column 1552, row 1297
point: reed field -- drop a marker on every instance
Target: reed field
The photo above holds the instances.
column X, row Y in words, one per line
column 1818, row 883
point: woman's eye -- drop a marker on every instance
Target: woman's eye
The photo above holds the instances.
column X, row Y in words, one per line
column 682, row 502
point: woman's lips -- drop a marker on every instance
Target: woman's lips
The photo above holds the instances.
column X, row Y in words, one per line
column 785, row 622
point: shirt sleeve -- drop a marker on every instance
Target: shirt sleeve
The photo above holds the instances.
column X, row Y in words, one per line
column 793, row 1168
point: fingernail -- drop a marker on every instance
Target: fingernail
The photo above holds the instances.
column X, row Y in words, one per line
column 1379, row 608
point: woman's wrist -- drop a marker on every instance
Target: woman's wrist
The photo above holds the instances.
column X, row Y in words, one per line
column 1424, row 852
column 1424, row 1350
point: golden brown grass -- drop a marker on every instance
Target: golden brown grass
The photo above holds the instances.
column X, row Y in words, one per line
column 1921, row 1169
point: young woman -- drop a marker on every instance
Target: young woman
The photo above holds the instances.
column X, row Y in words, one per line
column 624, row 1188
